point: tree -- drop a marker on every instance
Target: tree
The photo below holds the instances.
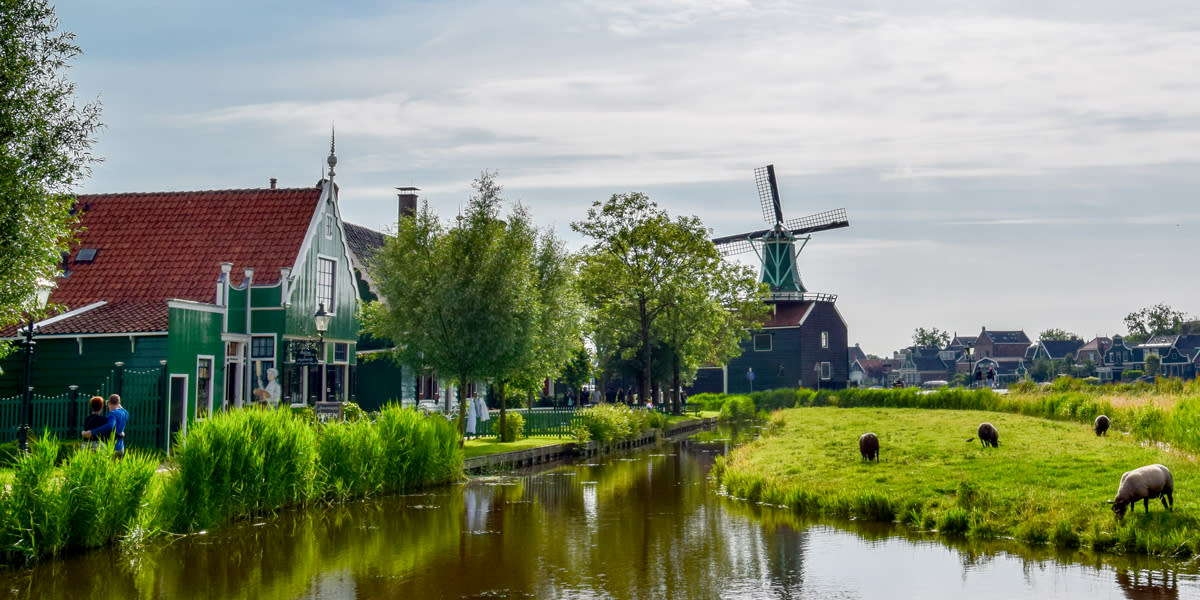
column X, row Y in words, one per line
column 45, row 150
column 1153, row 364
column 930, row 337
column 578, row 369
column 644, row 275
column 1057, row 335
column 462, row 301
column 1159, row 319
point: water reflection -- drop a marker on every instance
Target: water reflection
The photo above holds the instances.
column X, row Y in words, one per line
column 636, row 526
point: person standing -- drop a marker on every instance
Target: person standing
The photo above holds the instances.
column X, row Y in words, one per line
column 94, row 420
column 118, row 417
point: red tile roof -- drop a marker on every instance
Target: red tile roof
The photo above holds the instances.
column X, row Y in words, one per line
column 152, row 247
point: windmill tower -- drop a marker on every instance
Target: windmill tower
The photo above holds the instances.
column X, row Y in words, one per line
column 805, row 339
column 776, row 246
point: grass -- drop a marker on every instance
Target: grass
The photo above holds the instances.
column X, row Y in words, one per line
column 485, row 446
column 1046, row 483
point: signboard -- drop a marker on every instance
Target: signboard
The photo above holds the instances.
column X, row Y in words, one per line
column 328, row 411
column 305, row 354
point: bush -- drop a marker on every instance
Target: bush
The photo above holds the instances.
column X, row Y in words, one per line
column 738, row 408
column 514, row 427
column 609, row 423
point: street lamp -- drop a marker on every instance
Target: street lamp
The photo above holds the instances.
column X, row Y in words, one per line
column 321, row 319
column 40, row 298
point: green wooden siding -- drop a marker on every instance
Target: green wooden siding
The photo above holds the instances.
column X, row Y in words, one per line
column 196, row 333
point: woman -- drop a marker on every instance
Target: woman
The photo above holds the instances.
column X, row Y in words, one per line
column 95, row 419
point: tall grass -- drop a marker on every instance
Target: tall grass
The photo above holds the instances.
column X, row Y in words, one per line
column 87, row 503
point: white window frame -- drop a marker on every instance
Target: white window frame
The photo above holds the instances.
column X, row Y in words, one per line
column 212, row 375
column 770, row 342
column 826, row 371
column 824, row 339
column 330, row 301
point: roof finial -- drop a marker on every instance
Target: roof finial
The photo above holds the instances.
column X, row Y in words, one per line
column 332, row 156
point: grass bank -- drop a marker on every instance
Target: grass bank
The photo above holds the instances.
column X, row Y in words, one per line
column 1045, row 484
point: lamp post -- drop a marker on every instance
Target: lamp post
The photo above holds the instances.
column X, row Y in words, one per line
column 40, row 299
column 321, row 320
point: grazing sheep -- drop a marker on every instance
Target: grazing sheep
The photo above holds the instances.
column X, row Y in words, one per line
column 988, row 435
column 868, row 445
column 1101, row 425
column 1144, row 483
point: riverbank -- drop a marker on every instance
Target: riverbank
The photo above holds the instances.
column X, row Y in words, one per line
column 1046, row 483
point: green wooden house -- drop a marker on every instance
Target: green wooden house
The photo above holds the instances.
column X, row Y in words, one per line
column 188, row 303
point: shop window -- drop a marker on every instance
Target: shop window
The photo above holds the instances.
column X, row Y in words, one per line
column 262, row 357
column 762, row 342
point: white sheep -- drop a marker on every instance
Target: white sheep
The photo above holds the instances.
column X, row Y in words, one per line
column 1144, row 483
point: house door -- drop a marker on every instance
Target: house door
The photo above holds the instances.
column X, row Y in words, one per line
column 176, row 406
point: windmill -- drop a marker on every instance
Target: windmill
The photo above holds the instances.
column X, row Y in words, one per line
column 776, row 246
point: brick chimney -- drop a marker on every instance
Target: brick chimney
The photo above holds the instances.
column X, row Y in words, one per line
column 408, row 201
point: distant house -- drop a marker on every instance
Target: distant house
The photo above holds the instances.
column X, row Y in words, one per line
column 1003, row 351
column 868, row 372
column 1052, row 350
column 1093, row 351
column 1118, row 358
column 959, row 351
column 1175, row 352
column 922, row 364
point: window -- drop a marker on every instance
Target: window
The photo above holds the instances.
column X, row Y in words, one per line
column 262, row 358
column 325, row 283
column 826, row 371
column 204, row 367
column 824, row 339
column 329, row 225
column 340, row 351
column 762, row 342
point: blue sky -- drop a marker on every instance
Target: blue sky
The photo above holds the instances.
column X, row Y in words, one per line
column 1014, row 165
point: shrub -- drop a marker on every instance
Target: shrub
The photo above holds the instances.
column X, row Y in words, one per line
column 738, row 408
column 514, row 427
column 609, row 423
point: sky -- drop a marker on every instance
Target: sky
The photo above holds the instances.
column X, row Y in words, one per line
column 1006, row 164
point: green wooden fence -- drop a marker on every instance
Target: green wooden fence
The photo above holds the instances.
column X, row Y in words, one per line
column 538, row 422
column 141, row 392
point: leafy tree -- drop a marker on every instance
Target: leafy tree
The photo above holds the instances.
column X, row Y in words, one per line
column 578, row 369
column 1042, row 370
column 1150, row 321
column 653, row 283
column 930, row 337
column 462, row 301
column 1153, row 364
column 1057, row 335
column 45, row 149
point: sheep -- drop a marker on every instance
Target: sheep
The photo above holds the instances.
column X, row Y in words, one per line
column 868, row 445
column 988, row 435
column 1101, row 425
column 1144, row 483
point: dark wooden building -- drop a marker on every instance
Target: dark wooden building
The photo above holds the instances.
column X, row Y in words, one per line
column 804, row 343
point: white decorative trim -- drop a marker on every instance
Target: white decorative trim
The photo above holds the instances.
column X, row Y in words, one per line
column 196, row 306
column 70, row 313
column 72, row 336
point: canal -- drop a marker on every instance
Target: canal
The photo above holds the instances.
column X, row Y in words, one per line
column 642, row 525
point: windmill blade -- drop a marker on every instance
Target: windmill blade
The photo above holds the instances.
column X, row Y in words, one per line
column 734, row 247
column 768, row 194
column 830, row 219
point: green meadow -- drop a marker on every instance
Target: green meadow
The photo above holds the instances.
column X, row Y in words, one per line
column 1047, row 483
